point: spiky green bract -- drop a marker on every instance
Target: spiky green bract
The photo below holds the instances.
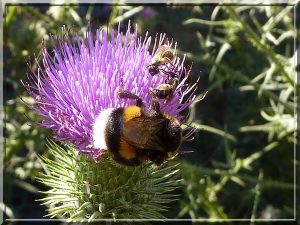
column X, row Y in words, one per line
column 81, row 189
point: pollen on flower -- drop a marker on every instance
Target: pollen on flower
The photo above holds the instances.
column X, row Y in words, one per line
column 80, row 80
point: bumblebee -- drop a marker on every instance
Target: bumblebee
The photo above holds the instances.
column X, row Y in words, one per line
column 136, row 134
column 166, row 90
column 162, row 56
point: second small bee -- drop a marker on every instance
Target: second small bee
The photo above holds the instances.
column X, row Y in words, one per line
column 165, row 91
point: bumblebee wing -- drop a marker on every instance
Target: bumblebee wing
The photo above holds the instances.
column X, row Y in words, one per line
column 142, row 133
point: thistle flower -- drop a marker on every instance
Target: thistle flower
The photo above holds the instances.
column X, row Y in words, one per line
column 83, row 190
column 71, row 87
column 81, row 79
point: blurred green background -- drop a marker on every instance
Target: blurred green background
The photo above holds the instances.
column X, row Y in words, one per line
column 243, row 162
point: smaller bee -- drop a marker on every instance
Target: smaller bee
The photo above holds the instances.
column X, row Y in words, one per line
column 166, row 90
column 162, row 56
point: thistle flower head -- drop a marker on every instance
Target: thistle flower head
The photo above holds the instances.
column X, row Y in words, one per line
column 81, row 77
column 83, row 190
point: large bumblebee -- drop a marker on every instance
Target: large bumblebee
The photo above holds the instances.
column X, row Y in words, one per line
column 135, row 134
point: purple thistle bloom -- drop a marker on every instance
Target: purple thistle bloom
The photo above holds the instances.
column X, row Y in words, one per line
column 82, row 76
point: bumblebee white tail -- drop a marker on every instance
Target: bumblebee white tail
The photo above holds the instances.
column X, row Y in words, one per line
column 99, row 129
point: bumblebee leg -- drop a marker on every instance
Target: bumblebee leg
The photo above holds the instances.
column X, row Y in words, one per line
column 155, row 104
column 127, row 94
column 157, row 157
column 127, row 162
